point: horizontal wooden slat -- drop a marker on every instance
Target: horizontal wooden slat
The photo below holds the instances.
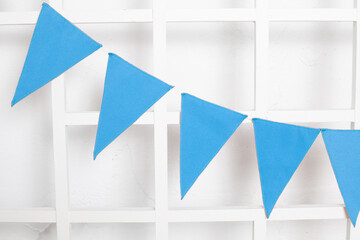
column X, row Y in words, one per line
column 129, row 215
column 112, row 216
column 211, row 15
column 292, row 116
column 35, row 215
column 28, row 18
column 216, row 215
column 313, row 15
column 309, row 212
column 187, row 15
column 301, row 212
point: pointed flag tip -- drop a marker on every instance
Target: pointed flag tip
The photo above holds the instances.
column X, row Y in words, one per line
column 353, row 219
column 95, row 154
column 183, row 193
column 268, row 212
column 15, row 101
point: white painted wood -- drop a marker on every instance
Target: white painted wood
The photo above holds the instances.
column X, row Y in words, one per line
column 186, row 15
column 261, row 57
column 160, row 123
column 113, row 216
column 60, row 159
column 354, row 232
column 259, row 229
column 351, row 232
column 210, row 15
column 35, row 215
column 312, row 15
column 60, row 153
column 130, row 15
column 261, row 83
column 310, row 212
column 226, row 214
column 356, row 68
column 231, row 214
column 348, row 229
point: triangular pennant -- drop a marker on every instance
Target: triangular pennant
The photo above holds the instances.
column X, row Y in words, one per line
column 280, row 149
column 343, row 147
column 56, row 46
column 128, row 93
column 205, row 128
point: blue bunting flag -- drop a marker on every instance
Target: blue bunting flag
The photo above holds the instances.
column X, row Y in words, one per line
column 280, row 149
column 205, row 128
column 56, row 46
column 128, row 93
column 343, row 147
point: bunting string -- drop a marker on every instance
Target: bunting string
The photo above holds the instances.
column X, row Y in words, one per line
column 205, row 127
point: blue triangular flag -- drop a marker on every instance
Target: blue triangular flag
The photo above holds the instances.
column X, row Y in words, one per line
column 128, row 93
column 280, row 149
column 205, row 128
column 56, row 46
column 343, row 147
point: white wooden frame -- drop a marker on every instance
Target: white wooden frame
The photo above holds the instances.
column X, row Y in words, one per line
column 161, row 215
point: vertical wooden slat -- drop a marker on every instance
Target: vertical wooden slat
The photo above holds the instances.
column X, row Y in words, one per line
column 259, row 229
column 60, row 153
column 261, row 73
column 60, row 159
column 356, row 68
column 160, row 123
column 261, row 57
column 354, row 233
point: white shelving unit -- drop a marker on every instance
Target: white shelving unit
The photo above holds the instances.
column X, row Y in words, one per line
column 161, row 215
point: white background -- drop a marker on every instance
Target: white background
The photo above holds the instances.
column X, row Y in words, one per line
column 309, row 68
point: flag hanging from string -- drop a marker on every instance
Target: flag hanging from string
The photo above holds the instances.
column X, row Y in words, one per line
column 56, row 46
column 128, row 93
column 205, row 128
column 280, row 149
column 343, row 147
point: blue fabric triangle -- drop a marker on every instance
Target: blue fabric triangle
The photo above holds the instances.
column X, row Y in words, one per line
column 205, row 128
column 280, row 149
column 128, row 93
column 56, row 46
column 343, row 147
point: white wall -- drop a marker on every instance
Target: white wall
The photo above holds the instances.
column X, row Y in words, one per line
column 310, row 68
